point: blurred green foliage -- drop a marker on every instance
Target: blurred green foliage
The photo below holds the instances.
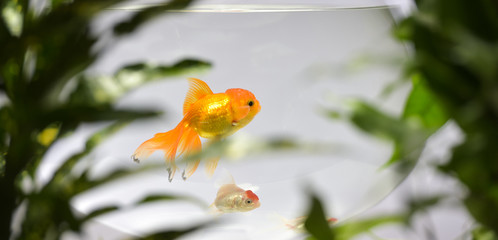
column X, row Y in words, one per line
column 318, row 228
column 45, row 51
column 481, row 233
column 456, row 53
column 454, row 71
column 316, row 223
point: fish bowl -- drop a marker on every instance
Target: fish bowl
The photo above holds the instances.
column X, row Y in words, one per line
column 298, row 59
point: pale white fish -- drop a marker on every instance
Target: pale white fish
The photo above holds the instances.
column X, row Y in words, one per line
column 233, row 198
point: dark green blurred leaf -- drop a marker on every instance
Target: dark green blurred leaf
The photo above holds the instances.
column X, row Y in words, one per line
column 408, row 137
column 43, row 49
column 73, row 116
column 242, row 146
column 98, row 212
column 172, row 234
column 455, row 47
column 55, row 196
column 474, row 163
column 149, row 13
column 316, row 224
column 481, row 233
column 418, row 204
column 84, row 182
column 96, row 91
column 62, row 50
column 168, row 197
column 2, row 164
column 371, row 120
column 427, row 112
column 480, row 56
column 404, row 30
column 64, row 171
column 51, row 205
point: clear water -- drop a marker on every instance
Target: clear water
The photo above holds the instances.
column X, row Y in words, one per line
column 295, row 60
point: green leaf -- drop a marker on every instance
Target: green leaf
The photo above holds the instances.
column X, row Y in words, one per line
column 240, row 146
column 351, row 229
column 43, row 49
column 316, row 224
column 371, row 120
column 423, row 106
column 423, row 109
column 173, row 234
column 96, row 91
column 62, row 51
column 168, row 197
column 72, row 116
column 480, row 56
column 61, row 175
column 420, row 204
column 455, row 46
column 83, row 182
column 147, row 14
column 404, row 31
column 55, row 196
column 98, row 212
column 482, row 233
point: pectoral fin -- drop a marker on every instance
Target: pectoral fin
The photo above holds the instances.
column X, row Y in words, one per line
column 240, row 113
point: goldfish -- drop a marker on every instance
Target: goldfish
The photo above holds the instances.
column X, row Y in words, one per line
column 205, row 114
column 231, row 198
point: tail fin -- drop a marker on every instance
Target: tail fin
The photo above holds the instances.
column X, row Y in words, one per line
column 212, row 162
column 181, row 137
column 211, row 165
column 190, row 143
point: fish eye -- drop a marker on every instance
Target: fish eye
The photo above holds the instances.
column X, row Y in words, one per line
column 250, row 103
column 249, row 201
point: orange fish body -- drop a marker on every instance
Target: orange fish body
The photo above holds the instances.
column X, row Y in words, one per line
column 207, row 115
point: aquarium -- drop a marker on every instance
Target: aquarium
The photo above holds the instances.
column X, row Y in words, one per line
column 298, row 60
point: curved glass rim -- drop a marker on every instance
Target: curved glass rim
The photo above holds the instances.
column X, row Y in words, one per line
column 273, row 6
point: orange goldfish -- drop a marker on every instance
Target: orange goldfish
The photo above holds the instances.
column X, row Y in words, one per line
column 205, row 114
column 232, row 198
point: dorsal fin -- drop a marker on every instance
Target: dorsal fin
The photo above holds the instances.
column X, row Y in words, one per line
column 197, row 89
column 224, row 178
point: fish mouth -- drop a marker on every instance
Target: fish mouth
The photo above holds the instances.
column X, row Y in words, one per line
column 259, row 106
